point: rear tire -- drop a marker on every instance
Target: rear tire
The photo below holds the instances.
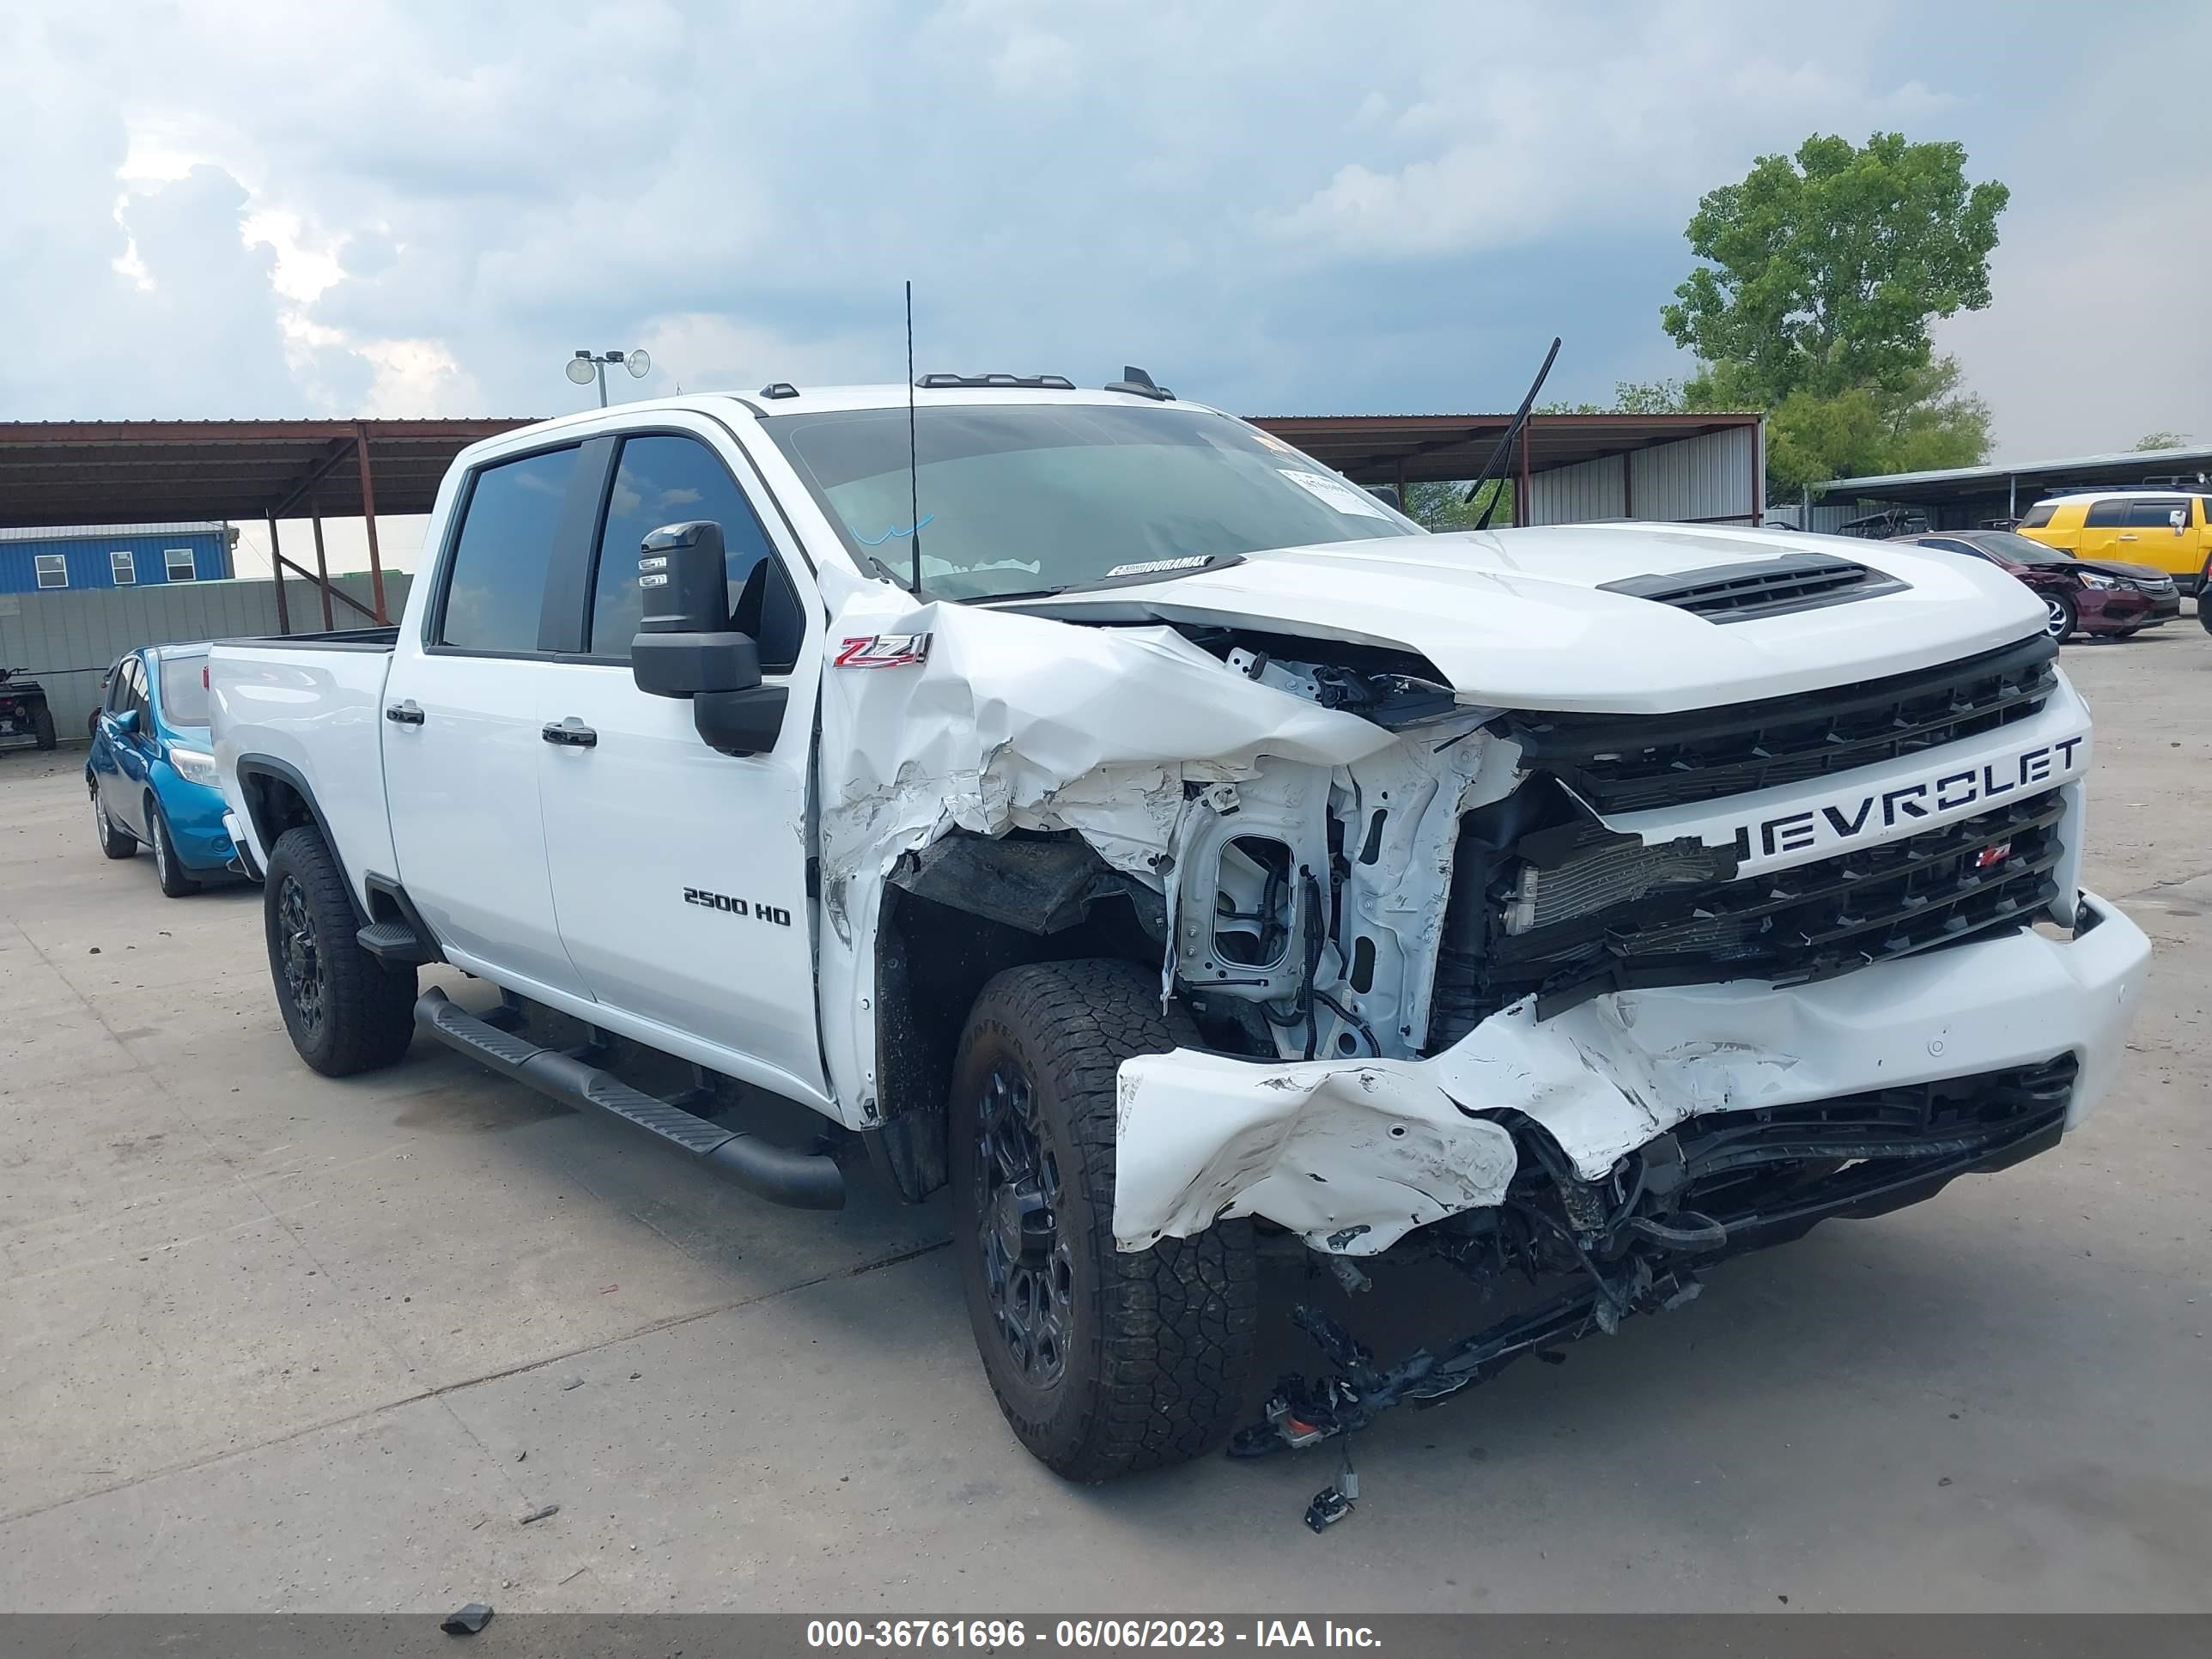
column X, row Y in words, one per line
column 1104, row 1362
column 42, row 725
column 347, row 1012
column 114, row 840
column 168, row 866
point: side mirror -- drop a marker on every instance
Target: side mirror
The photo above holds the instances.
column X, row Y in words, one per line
column 126, row 722
column 2178, row 519
column 684, row 644
column 685, row 648
column 680, row 581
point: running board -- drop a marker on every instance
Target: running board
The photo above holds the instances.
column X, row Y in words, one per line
column 806, row 1180
column 394, row 944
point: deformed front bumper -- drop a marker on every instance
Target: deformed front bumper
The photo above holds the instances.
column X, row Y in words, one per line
column 1353, row 1155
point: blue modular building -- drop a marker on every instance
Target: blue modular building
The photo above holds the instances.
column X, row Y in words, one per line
column 114, row 556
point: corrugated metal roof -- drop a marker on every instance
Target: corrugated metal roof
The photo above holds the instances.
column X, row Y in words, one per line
column 65, row 472
column 75, row 532
column 2186, row 458
column 1369, row 448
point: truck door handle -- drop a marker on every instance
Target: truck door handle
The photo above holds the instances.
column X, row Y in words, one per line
column 2128, row 538
column 570, row 734
column 409, row 712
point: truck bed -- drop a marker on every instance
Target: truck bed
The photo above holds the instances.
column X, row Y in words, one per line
column 310, row 705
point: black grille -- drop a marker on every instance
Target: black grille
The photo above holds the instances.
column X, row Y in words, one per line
column 1973, row 879
column 1908, row 1120
column 1770, row 1173
column 1768, row 587
column 1627, row 762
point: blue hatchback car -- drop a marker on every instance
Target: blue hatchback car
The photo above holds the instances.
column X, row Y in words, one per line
column 151, row 772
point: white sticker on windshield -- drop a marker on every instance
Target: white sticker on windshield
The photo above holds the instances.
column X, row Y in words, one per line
column 1344, row 497
column 1156, row 567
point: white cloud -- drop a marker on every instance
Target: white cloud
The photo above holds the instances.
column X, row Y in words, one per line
column 420, row 208
column 1526, row 125
column 416, row 378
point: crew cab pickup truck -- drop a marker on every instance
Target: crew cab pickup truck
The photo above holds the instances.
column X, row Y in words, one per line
column 1104, row 810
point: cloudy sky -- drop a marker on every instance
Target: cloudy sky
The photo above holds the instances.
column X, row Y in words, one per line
column 239, row 207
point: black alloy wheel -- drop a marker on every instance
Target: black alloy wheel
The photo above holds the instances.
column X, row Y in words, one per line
column 306, row 978
column 1104, row 1360
column 1028, row 1275
column 346, row 1011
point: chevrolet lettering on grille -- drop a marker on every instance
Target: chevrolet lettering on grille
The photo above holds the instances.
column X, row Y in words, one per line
column 1873, row 813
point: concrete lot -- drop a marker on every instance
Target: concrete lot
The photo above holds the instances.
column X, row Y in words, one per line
column 269, row 1341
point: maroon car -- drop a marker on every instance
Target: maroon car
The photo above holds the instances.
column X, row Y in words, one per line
column 2087, row 596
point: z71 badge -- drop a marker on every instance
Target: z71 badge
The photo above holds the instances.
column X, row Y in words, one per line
column 882, row 651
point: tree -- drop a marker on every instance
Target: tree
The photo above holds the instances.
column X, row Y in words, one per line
column 1629, row 397
column 2161, row 440
column 1826, row 268
column 1440, row 506
column 1926, row 425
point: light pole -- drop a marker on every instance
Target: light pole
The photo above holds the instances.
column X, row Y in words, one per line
column 585, row 367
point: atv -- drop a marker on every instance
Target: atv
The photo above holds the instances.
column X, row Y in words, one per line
column 25, row 716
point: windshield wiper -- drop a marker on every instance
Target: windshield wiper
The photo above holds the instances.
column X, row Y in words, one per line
column 891, row 576
column 1494, row 468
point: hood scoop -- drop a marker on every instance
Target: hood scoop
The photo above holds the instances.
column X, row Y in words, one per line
column 1769, row 587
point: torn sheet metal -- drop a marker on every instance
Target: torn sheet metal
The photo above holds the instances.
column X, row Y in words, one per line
column 1200, row 1134
column 1351, row 1156
column 1015, row 722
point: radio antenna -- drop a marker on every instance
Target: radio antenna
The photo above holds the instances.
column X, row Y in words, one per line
column 913, row 467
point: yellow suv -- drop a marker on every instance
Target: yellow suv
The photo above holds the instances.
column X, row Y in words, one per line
column 2168, row 530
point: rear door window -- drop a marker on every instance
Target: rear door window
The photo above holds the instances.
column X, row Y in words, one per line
column 495, row 587
column 664, row 478
column 2107, row 514
column 2144, row 512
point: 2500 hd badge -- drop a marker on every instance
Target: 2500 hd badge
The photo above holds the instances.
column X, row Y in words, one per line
column 736, row 907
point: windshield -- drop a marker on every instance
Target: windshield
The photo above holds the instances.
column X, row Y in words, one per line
column 184, row 691
column 2021, row 550
column 1027, row 496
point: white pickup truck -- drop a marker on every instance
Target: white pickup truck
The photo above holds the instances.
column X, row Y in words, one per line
column 1204, row 859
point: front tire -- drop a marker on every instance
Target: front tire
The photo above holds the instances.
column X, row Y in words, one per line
column 114, row 840
column 1104, row 1362
column 347, row 1012
column 175, row 883
column 2061, row 618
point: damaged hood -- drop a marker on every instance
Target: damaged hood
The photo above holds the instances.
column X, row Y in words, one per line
column 1526, row 619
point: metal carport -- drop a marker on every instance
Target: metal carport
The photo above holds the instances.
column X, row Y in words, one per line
column 1701, row 468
